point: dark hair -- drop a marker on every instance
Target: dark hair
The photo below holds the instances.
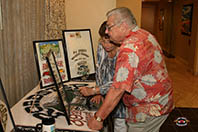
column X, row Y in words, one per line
column 103, row 29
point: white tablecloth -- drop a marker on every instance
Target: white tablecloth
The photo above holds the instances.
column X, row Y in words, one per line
column 78, row 118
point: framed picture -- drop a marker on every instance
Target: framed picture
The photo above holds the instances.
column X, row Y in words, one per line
column 56, row 78
column 161, row 20
column 6, row 118
column 70, row 98
column 187, row 11
column 41, row 51
column 79, row 50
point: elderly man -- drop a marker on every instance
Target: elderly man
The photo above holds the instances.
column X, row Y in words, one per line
column 141, row 78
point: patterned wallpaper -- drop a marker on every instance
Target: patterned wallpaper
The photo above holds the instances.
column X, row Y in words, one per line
column 54, row 19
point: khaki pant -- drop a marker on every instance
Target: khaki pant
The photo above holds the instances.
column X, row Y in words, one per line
column 151, row 124
column 120, row 125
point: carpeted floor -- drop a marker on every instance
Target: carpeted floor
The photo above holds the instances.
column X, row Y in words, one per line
column 181, row 120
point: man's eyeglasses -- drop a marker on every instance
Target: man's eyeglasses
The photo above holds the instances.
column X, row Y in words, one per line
column 110, row 27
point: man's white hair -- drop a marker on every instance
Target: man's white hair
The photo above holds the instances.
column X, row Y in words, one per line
column 123, row 14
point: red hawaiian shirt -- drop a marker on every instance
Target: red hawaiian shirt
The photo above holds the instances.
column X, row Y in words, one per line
column 142, row 73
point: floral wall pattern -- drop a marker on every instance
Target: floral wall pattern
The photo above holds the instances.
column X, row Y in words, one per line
column 54, row 19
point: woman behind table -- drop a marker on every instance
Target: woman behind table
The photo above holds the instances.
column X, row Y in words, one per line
column 106, row 59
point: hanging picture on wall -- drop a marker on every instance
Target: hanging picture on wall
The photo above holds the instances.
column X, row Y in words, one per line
column 187, row 19
column 79, row 51
column 41, row 50
column 161, row 20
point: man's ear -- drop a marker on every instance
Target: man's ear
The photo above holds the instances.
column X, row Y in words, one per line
column 124, row 26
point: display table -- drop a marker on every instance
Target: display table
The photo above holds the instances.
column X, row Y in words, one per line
column 45, row 105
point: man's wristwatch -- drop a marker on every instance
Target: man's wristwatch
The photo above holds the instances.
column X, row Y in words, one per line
column 94, row 90
column 98, row 118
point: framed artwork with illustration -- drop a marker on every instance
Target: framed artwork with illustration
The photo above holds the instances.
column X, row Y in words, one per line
column 186, row 26
column 79, row 52
column 42, row 49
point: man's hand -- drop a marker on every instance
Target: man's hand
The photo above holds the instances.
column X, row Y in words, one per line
column 97, row 99
column 94, row 124
column 86, row 91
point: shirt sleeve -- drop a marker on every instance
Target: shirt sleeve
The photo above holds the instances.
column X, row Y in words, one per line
column 105, row 88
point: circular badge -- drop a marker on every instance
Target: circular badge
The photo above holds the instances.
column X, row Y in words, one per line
column 181, row 121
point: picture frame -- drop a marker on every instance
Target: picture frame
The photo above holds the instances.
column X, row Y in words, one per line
column 42, row 48
column 56, row 78
column 6, row 118
column 161, row 20
column 186, row 19
column 80, row 54
column 70, row 98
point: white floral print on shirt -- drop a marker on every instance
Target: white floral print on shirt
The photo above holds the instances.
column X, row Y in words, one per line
column 158, row 57
column 152, row 40
column 131, row 46
column 133, row 60
column 148, row 80
column 139, row 93
column 122, row 74
column 141, row 117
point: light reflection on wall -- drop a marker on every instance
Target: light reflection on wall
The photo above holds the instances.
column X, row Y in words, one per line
column 1, row 26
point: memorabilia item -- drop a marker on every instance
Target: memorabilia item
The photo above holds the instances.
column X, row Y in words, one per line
column 6, row 118
column 47, row 105
column 56, row 77
column 80, row 54
column 41, row 50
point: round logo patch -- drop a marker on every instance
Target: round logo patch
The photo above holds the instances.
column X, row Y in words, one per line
column 181, row 121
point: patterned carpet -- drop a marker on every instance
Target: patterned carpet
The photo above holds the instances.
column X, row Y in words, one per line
column 181, row 120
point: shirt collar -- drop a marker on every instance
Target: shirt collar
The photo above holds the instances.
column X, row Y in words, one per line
column 135, row 29
column 132, row 31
